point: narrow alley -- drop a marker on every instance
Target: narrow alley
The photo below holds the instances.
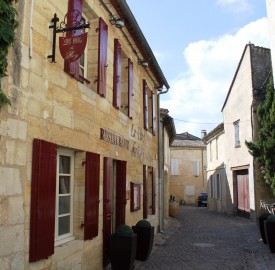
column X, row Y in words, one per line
column 202, row 239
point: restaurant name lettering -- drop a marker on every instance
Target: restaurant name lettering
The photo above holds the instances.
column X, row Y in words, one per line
column 112, row 138
column 137, row 151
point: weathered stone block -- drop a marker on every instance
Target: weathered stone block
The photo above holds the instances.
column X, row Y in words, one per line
column 9, row 181
column 16, row 153
column 13, row 237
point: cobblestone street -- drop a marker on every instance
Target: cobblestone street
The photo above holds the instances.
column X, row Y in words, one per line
column 202, row 239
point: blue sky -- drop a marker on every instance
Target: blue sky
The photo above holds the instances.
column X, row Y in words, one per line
column 198, row 44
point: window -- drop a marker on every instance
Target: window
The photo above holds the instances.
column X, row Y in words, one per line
column 52, row 187
column 73, row 6
column 196, row 168
column 149, row 109
column 83, row 59
column 64, row 196
column 211, row 187
column 91, row 67
column 135, row 197
column 217, row 149
column 237, row 133
column 210, row 151
column 174, row 167
column 123, row 81
column 218, row 187
column 149, row 191
column 145, row 105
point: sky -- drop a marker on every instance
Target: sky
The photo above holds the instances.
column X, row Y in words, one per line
column 198, row 45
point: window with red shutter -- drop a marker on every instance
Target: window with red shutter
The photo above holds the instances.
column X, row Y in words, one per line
column 130, row 88
column 154, row 117
column 149, row 191
column 92, row 173
column 153, row 192
column 145, row 105
column 102, row 57
column 73, row 5
column 145, row 205
column 117, row 74
column 43, row 193
column 120, row 192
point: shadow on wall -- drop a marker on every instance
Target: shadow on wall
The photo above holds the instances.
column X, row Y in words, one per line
column 220, row 198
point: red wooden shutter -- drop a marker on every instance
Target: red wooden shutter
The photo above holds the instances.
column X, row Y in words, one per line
column 73, row 68
column 153, row 192
column 145, row 212
column 43, row 193
column 117, row 74
column 120, row 192
column 107, row 206
column 102, row 57
column 91, row 195
column 130, row 88
column 145, row 104
column 154, row 118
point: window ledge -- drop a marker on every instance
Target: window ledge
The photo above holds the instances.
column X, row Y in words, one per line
column 63, row 241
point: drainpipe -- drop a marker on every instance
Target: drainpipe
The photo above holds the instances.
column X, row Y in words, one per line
column 202, row 170
column 31, row 27
column 160, row 167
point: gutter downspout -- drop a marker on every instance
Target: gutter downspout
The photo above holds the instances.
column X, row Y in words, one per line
column 31, row 28
column 160, row 168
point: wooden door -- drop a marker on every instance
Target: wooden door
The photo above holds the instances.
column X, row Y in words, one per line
column 243, row 193
column 107, row 206
column 114, row 199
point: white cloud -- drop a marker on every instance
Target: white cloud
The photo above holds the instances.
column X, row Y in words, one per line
column 236, row 5
column 198, row 94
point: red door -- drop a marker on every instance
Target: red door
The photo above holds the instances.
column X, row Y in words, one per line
column 114, row 200
column 243, row 193
column 107, row 206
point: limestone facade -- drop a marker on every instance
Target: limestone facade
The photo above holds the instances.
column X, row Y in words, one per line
column 188, row 164
column 49, row 105
column 240, row 185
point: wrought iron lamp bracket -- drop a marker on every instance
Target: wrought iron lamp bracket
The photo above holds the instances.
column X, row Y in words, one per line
column 62, row 28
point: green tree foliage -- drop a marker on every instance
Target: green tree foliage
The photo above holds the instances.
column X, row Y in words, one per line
column 264, row 148
column 8, row 24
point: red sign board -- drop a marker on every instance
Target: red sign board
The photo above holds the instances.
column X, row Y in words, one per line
column 71, row 48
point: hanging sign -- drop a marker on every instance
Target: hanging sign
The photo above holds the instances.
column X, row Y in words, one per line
column 71, row 48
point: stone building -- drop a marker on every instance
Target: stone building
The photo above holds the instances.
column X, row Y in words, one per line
column 79, row 143
column 219, row 198
column 234, row 175
column 187, row 174
column 166, row 137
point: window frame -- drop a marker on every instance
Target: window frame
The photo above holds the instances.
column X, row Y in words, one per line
column 84, row 76
column 135, row 197
column 237, row 133
column 68, row 236
column 174, row 167
column 196, row 168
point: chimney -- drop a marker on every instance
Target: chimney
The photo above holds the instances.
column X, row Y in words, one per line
column 203, row 133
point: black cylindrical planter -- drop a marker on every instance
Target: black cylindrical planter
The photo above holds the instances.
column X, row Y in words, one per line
column 145, row 239
column 270, row 234
column 262, row 218
column 122, row 251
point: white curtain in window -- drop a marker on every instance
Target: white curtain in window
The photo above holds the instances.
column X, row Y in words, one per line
column 196, row 167
column 174, row 167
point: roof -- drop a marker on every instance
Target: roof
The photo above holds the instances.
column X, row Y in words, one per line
column 168, row 123
column 187, row 140
column 260, row 70
column 134, row 30
column 217, row 130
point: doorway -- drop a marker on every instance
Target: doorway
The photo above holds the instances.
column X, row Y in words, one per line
column 114, row 199
column 242, row 185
